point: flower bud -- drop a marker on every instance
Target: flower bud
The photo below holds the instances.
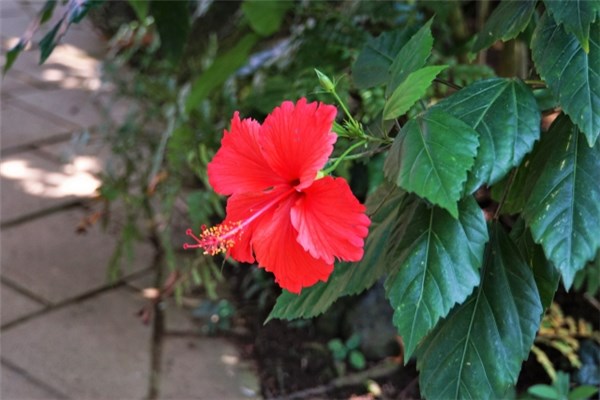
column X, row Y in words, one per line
column 326, row 83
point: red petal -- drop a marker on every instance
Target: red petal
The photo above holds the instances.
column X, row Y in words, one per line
column 239, row 166
column 297, row 140
column 330, row 221
column 278, row 251
column 243, row 207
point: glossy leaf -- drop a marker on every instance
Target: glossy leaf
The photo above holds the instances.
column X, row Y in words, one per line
column 74, row 12
column 411, row 57
column 50, row 40
column 431, row 156
column 265, row 16
column 372, row 66
column 576, row 16
column 477, row 351
column 506, row 22
column 11, row 56
column 410, row 91
column 572, row 74
column 436, row 261
column 545, row 275
column 348, row 279
column 563, row 211
column 44, row 15
column 173, row 24
column 221, row 69
column 504, row 112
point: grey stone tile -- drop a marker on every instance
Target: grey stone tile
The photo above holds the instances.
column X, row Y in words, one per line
column 74, row 105
column 16, row 386
column 96, row 349
column 31, row 183
column 67, row 67
column 86, row 38
column 14, row 305
column 21, row 126
column 50, row 259
column 12, row 84
column 10, row 8
column 82, row 154
column 15, row 24
column 205, row 368
column 178, row 317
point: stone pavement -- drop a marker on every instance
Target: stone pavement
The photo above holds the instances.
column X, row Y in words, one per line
column 65, row 332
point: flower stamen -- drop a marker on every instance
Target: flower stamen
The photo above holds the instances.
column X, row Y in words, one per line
column 221, row 238
column 216, row 239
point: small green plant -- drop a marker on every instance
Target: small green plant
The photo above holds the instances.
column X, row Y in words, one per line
column 560, row 390
column 347, row 353
column 215, row 315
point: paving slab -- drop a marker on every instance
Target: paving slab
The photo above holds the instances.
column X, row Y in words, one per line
column 74, row 105
column 20, row 126
column 31, row 183
column 84, row 153
column 69, row 66
column 178, row 317
column 205, row 368
column 49, row 258
column 14, row 24
column 14, row 305
column 17, row 386
column 96, row 349
column 10, row 8
column 13, row 84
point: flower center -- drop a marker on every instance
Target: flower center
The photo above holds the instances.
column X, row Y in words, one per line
column 221, row 238
column 216, row 239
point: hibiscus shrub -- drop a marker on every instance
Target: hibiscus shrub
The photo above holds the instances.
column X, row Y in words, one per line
column 475, row 214
column 468, row 285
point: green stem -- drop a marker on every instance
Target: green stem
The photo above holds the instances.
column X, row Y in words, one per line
column 343, row 156
column 341, row 103
column 535, row 82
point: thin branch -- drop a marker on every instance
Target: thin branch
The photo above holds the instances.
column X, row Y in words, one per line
column 447, row 83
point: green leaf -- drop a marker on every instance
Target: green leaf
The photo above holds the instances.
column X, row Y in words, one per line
column 372, row 65
column 220, row 70
column 544, row 392
column 49, row 42
column 506, row 22
column 590, row 276
column 583, row 392
column 140, row 7
column 412, row 56
column 410, row 91
column 11, row 56
column 265, row 16
column 504, row 112
column 477, row 351
column 431, row 156
column 572, row 74
column 348, row 279
column 357, row 360
column 436, row 263
column 173, row 24
column 576, row 16
column 516, row 183
column 563, row 211
column 74, row 13
column 545, row 275
column 47, row 10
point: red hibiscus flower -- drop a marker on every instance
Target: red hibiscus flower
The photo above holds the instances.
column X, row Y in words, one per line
column 279, row 213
